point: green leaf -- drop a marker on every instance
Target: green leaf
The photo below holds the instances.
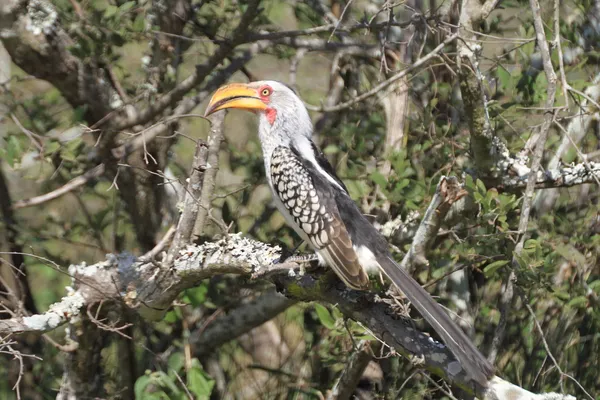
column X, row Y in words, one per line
column 196, row 296
column 166, row 381
column 504, row 77
column 531, row 244
column 198, row 382
column 469, row 182
column 139, row 25
column 140, row 386
column 110, row 11
column 579, row 301
column 402, row 184
column 79, row 113
column 13, row 151
column 324, row 316
column 595, row 286
column 336, row 313
column 51, row 147
column 67, row 155
column 378, row 178
column 331, row 149
column 562, row 295
column 481, row 187
column 127, row 6
column 176, row 361
column 171, row 317
column 490, row 269
column 366, row 336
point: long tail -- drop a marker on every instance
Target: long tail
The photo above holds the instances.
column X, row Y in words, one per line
column 474, row 363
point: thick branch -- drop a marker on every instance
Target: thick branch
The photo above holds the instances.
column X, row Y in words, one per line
column 57, row 315
column 150, row 289
column 240, row 321
column 39, row 45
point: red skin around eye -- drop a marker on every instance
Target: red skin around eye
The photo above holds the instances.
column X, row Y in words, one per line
column 264, row 98
column 271, row 113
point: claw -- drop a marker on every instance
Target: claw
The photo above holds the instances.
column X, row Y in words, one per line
column 286, row 253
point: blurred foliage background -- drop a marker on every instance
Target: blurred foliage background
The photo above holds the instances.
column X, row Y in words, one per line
column 46, row 139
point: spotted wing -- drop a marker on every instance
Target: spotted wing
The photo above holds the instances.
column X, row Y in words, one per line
column 313, row 208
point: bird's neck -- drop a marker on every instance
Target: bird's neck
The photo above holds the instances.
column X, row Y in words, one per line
column 284, row 133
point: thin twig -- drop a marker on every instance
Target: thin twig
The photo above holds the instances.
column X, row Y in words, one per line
column 507, row 298
column 73, row 184
column 545, row 343
column 383, row 85
column 159, row 246
column 337, row 25
column 561, row 63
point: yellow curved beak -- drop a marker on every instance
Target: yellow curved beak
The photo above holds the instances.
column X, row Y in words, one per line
column 235, row 95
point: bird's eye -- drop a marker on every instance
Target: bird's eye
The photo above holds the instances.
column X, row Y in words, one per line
column 266, row 91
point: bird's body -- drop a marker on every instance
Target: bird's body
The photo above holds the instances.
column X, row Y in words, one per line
column 316, row 203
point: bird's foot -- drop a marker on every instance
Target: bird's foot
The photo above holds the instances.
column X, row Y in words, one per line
column 301, row 258
column 289, row 255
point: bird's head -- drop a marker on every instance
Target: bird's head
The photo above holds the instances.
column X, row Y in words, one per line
column 279, row 109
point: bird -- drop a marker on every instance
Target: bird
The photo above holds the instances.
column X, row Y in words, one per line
column 317, row 205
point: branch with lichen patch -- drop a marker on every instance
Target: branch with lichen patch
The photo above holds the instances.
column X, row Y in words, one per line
column 150, row 288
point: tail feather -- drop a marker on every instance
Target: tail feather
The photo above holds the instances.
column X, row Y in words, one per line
column 474, row 363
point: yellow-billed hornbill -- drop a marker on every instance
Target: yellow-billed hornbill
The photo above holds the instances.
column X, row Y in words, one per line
column 316, row 203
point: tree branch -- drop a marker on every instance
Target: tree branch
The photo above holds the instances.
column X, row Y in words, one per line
column 351, row 374
column 73, row 184
column 185, row 225
column 40, row 46
column 215, row 139
column 150, row 288
column 508, row 296
column 383, row 85
column 201, row 72
column 239, row 321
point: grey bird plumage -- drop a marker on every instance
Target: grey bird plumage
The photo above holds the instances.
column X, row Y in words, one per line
column 316, row 203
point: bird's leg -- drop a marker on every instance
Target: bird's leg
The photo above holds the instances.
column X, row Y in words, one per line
column 288, row 255
column 302, row 258
column 286, row 252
